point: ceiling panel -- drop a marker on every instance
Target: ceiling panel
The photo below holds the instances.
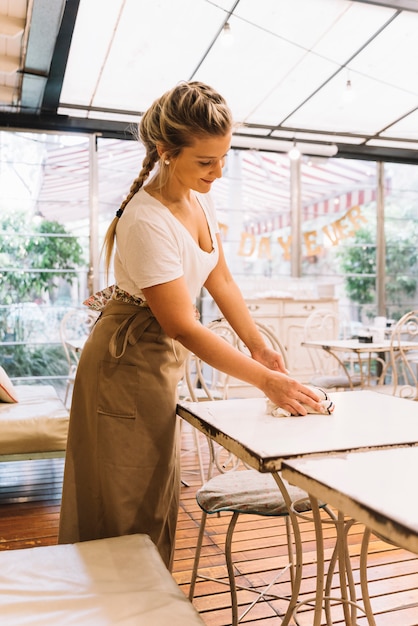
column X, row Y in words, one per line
column 406, row 127
column 373, row 107
column 387, row 59
column 140, row 52
column 332, row 29
column 296, row 87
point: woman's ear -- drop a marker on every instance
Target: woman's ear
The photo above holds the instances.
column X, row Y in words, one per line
column 162, row 152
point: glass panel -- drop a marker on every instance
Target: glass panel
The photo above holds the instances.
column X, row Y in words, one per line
column 401, row 231
column 43, row 253
column 45, row 178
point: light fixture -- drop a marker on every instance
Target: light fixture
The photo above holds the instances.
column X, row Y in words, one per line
column 348, row 94
column 38, row 217
column 294, row 152
column 271, row 144
column 227, row 36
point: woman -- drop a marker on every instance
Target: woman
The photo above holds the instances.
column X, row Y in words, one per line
column 122, row 464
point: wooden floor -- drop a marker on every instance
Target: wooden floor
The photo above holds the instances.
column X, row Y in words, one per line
column 30, row 494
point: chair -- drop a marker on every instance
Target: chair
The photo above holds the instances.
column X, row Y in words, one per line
column 224, row 386
column 400, row 374
column 331, row 372
column 204, row 383
column 246, row 492
column 75, row 327
column 237, row 490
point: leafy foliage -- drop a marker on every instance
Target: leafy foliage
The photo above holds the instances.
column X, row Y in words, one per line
column 48, row 250
column 34, row 361
column 358, row 261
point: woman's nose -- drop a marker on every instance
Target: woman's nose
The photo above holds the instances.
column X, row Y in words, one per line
column 217, row 170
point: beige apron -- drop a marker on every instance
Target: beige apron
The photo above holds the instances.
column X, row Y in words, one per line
column 122, row 462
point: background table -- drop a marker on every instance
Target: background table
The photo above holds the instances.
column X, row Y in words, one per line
column 339, row 347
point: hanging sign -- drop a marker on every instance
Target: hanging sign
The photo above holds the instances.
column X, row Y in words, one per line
column 340, row 229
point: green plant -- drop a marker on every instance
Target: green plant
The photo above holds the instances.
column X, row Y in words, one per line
column 358, row 262
column 35, row 259
column 32, row 262
column 24, row 360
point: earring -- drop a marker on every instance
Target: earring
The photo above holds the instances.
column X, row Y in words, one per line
column 166, row 161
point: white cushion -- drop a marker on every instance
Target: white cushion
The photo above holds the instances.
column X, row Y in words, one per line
column 116, row 581
column 7, row 390
column 38, row 422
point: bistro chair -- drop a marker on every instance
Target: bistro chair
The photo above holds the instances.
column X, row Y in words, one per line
column 400, row 374
column 75, row 327
column 204, row 383
column 247, row 492
column 238, row 490
column 226, row 386
column 330, row 371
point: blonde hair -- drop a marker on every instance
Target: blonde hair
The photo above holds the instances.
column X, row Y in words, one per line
column 186, row 112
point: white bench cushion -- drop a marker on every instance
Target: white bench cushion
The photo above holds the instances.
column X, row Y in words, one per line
column 120, row 581
column 38, row 422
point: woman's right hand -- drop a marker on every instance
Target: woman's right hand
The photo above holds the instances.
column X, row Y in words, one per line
column 291, row 395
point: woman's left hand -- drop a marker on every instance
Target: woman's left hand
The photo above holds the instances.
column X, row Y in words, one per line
column 271, row 359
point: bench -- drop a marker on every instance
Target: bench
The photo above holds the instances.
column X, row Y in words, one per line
column 34, row 427
column 121, row 580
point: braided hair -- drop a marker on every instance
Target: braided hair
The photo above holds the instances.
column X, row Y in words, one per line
column 188, row 111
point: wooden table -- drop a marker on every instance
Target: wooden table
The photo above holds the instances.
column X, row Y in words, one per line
column 376, row 488
column 362, row 420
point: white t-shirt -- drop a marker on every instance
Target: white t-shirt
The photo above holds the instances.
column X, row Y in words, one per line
column 153, row 247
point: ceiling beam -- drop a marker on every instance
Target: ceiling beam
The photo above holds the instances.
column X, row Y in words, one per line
column 124, row 130
column 399, row 5
column 55, row 80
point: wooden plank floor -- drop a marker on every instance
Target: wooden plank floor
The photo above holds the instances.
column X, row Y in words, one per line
column 30, row 493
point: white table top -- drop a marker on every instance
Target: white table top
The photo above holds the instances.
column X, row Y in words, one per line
column 354, row 345
column 361, row 420
column 377, row 488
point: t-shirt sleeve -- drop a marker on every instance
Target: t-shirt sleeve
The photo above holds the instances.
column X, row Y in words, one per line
column 152, row 255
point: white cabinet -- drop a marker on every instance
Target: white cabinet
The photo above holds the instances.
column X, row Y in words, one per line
column 286, row 317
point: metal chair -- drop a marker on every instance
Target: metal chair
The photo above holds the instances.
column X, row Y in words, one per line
column 247, row 492
column 400, row 374
column 236, row 489
column 225, row 386
column 204, row 383
column 75, row 327
column 331, row 372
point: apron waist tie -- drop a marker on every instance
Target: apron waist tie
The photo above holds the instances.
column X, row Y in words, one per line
column 130, row 331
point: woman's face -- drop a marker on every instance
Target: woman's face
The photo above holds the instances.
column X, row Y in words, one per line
column 200, row 164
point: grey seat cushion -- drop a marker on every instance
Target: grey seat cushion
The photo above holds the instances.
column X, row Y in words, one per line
column 248, row 491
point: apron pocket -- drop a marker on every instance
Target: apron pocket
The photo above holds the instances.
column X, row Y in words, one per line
column 117, row 389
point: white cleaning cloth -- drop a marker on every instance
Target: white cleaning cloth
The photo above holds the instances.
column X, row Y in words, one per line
column 327, row 405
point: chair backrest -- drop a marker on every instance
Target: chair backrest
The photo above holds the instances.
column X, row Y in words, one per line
column 323, row 324
column 75, row 327
column 403, row 360
column 232, row 387
column 206, row 383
